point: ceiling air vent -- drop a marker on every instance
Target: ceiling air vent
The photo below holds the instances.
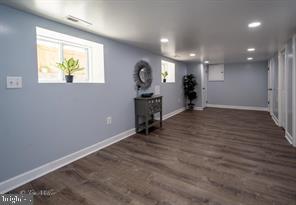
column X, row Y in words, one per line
column 77, row 20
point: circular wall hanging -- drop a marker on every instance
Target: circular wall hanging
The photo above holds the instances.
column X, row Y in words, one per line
column 143, row 75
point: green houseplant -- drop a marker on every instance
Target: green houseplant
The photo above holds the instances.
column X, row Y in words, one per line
column 69, row 67
column 189, row 84
column 164, row 75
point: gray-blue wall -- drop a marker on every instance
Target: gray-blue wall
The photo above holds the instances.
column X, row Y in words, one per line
column 43, row 122
column 245, row 84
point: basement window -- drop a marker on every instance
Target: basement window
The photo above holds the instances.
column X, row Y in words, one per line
column 169, row 69
column 54, row 47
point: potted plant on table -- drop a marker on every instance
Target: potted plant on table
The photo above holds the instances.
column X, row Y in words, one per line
column 164, row 75
column 69, row 67
column 189, row 84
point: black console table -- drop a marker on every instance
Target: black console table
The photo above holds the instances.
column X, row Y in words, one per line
column 145, row 108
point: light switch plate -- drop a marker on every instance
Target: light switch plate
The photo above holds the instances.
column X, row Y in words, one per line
column 13, row 82
column 109, row 120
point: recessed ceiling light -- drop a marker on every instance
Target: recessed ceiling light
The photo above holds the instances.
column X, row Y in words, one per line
column 251, row 49
column 250, row 58
column 164, row 40
column 207, row 62
column 192, row 54
column 254, row 24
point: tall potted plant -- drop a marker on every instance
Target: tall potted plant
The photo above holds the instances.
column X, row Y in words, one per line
column 189, row 84
column 69, row 67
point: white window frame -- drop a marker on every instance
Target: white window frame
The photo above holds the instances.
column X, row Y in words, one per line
column 170, row 65
column 95, row 54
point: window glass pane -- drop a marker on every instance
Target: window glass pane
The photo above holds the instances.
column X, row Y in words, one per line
column 48, row 56
column 170, row 69
column 54, row 47
column 82, row 55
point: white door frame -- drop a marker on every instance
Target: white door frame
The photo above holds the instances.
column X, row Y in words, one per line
column 270, row 85
column 282, row 93
column 204, row 84
column 285, row 97
column 274, row 67
column 294, row 90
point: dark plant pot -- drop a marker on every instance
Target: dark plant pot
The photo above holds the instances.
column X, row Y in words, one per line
column 69, row 78
column 164, row 80
column 190, row 106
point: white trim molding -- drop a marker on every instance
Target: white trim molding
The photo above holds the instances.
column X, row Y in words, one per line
column 28, row 176
column 276, row 121
column 289, row 138
column 238, row 107
column 294, row 91
column 198, row 108
column 171, row 114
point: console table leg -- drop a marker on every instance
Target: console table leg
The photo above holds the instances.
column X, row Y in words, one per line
column 160, row 119
column 137, row 123
column 146, row 126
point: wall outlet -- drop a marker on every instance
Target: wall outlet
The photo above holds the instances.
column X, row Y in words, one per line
column 109, row 120
column 157, row 90
column 13, row 82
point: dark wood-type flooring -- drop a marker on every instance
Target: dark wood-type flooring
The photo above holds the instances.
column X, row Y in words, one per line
column 216, row 156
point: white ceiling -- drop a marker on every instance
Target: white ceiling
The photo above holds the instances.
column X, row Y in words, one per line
column 216, row 30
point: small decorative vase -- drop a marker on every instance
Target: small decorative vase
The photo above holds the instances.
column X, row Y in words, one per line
column 164, row 80
column 69, row 78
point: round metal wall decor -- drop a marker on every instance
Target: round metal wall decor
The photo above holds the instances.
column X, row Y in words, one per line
column 143, row 75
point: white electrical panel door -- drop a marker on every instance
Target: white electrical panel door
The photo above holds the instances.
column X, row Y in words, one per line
column 216, row 72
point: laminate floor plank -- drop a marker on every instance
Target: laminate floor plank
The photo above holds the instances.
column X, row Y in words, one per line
column 214, row 157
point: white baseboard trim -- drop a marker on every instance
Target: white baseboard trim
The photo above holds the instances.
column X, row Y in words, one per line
column 275, row 119
column 238, row 107
column 171, row 114
column 198, row 108
column 287, row 135
column 289, row 138
column 28, row 176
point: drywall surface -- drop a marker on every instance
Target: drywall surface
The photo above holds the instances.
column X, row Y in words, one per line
column 44, row 122
column 245, row 84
